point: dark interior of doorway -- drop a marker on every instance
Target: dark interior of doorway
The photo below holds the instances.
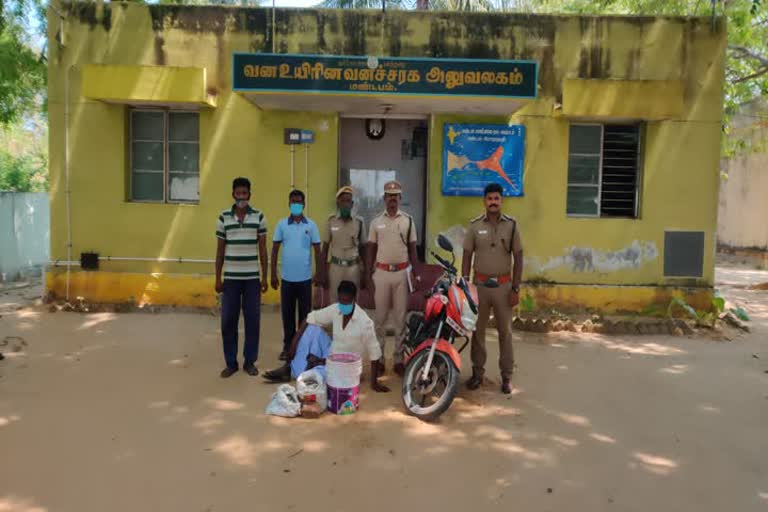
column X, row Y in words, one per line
column 368, row 160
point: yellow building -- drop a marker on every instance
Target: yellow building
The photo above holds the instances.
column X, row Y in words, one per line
column 155, row 109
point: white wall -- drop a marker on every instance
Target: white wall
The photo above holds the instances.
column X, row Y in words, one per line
column 24, row 232
column 743, row 213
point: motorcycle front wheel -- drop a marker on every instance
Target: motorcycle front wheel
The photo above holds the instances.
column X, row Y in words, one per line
column 428, row 399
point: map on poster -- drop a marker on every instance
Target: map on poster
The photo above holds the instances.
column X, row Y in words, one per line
column 475, row 155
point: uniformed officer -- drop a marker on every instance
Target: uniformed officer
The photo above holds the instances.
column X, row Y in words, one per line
column 391, row 258
column 345, row 240
column 492, row 238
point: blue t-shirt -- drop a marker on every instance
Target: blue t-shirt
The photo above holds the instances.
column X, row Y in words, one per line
column 297, row 239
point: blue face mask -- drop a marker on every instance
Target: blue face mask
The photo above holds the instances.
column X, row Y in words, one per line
column 346, row 309
column 296, row 209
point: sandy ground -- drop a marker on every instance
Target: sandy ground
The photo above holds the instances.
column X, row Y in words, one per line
column 127, row 412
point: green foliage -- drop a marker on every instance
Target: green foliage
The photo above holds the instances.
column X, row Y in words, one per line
column 22, row 68
column 24, row 155
column 718, row 304
column 240, row 3
column 527, row 304
column 365, row 4
column 464, row 5
column 652, row 310
column 22, row 174
column 702, row 318
column 682, row 304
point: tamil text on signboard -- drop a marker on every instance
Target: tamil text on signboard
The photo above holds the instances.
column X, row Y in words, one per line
column 263, row 72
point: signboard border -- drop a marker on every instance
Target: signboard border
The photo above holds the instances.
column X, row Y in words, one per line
column 379, row 94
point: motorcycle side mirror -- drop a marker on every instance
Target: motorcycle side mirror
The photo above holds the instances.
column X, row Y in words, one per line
column 444, row 243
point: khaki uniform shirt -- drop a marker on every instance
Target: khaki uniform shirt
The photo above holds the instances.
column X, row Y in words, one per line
column 493, row 244
column 345, row 236
column 391, row 235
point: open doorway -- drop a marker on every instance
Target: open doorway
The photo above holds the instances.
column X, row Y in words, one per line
column 367, row 163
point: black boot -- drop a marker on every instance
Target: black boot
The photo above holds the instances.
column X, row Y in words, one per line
column 474, row 381
column 282, row 374
column 506, row 385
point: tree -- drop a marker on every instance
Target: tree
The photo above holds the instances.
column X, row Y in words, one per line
column 366, row 4
column 240, row 3
column 463, row 5
column 22, row 69
column 22, row 174
column 24, row 155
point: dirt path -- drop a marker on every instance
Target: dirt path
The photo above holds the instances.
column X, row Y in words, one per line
column 126, row 412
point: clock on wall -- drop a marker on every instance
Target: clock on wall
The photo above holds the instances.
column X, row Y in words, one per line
column 374, row 128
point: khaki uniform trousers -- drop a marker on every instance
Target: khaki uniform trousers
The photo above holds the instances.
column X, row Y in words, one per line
column 391, row 301
column 498, row 300
column 339, row 273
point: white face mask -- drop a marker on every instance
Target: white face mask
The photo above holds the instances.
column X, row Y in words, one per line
column 241, row 203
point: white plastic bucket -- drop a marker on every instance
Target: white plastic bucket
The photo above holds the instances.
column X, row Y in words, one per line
column 343, row 379
column 343, row 369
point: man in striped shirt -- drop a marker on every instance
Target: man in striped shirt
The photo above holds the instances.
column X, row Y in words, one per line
column 241, row 234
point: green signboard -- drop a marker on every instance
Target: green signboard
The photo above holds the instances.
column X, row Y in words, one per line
column 287, row 73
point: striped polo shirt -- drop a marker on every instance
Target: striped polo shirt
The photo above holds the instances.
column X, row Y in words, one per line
column 241, row 253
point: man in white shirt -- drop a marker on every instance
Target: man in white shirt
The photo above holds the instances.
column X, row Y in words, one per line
column 353, row 331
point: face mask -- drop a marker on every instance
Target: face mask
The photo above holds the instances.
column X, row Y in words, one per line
column 346, row 309
column 345, row 212
column 241, row 203
column 296, row 209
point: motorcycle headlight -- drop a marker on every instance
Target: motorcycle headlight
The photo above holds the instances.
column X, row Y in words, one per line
column 468, row 317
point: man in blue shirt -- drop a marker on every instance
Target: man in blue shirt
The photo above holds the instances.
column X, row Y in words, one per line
column 299, row 235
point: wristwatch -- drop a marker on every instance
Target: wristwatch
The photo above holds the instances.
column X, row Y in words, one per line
column 515, row 289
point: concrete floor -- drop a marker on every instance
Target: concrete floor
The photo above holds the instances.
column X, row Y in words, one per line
column 127, row 412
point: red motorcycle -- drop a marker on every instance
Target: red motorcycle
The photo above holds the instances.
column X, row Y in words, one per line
column 433, row 364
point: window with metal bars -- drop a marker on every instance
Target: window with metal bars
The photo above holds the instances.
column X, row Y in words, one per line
column 164, row 153
column 603, row 170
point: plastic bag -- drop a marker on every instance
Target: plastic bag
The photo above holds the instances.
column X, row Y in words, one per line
column 284, row 402
column 311, row 387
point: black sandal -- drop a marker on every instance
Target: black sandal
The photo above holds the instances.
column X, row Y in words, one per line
column 282, row 374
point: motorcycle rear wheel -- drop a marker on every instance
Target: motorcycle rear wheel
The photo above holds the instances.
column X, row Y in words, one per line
column 428, row 400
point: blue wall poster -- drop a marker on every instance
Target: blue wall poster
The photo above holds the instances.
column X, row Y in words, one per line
column 475, row 155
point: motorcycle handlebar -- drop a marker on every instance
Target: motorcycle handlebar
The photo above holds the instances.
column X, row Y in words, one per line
column 443, row 262
column 450, row 268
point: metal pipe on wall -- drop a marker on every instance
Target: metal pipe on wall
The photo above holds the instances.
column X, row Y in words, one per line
column 158, row 260
column 274, row 28
column 306, row 175
column 67, row 188
column 293, row 166
column 61, row 263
